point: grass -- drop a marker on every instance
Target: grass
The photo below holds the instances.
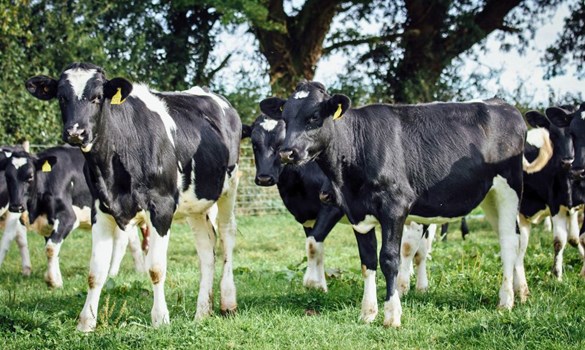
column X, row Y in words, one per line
column 276, row 312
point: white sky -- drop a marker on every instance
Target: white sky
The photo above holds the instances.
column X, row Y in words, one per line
column 525, row 71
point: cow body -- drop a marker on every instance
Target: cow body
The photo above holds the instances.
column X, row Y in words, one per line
column 435, row 162
column 151, row 155
column 50, row 189
column 549, row 191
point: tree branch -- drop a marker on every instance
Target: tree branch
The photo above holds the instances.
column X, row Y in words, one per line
column 360, row 41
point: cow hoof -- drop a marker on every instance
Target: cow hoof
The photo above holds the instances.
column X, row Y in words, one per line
column 26, row 271
column 369, row 313
column 422, row 289
column 86, row 325
column 317, row 284
column 392, row 312
column 558, row 273
column 160, row 318
column 523, row 292
column 403, row 288
column 229, row 311
column 53, row 282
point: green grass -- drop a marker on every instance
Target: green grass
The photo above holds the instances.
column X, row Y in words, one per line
column 276, row 312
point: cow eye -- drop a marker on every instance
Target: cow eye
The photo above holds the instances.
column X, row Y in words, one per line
column 96, row 99
column 313, row 119
column 62, row 99
column 30, row 179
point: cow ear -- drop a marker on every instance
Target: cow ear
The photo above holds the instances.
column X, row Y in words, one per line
column 537, row 120
column 45, row 164
column 559, row 116
column 3, row 163
column 272, row 107
column 117, row 90
column 336, row 106
column 42, row 87
column 246, row 131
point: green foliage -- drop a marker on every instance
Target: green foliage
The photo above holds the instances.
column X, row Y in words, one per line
column 277, row 312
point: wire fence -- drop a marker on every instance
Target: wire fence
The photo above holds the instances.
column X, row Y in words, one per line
column 251, row 199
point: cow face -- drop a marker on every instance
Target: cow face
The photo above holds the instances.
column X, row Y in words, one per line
column 267, row 136
column 21, row 175
column 83, row 92
column 575, row 122
column 560, row 135
column 308, row 114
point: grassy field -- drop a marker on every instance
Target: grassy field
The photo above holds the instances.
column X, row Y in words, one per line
column 276, row 312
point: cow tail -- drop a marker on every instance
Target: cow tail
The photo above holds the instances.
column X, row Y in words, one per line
column 545, row 153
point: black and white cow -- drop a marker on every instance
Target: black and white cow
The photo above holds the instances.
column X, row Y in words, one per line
column 150, row 155
column 13, row 229
column 574, row 121
column 549, row 191
column 437, row 160
column 303, row 189
column 50, row 189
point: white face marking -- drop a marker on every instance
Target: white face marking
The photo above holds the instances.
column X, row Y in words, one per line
column 196, row 90
column 18, row 162
column 537, row 136
column 583, row 115
column 268, row 124
column 300, row 94
column 78, row 79
column 158, row 106
column 8, row 154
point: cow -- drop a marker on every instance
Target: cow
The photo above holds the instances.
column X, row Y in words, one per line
column 549, row 191
column 50, row 190
column 574, row 122
column 151, row 155
column 305, row 193
column 435, row 160
column 13, row 228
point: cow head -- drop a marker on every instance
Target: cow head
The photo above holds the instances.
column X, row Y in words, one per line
column 267, row 136
column 83, row 92
column 309, row 115
column 560, row 136
column 575, row 122
column 21, row 177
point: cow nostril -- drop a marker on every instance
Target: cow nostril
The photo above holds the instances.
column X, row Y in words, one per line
column 264, row 180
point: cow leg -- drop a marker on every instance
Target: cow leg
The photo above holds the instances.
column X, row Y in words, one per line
column 22, row 242
column 102, row 237
column 227, row 230
column 205, row 245
column 369, row 258
column 63, row 224
column 411, row 239
column 156, row 263
column 574, row 231
column 389, row 262
column 582, row 241
column 420, row 259
column 136, row 248
column 519, row 273
column 118, row 249
column 560, row 225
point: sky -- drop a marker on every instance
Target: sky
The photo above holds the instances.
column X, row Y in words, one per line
column 517, row 70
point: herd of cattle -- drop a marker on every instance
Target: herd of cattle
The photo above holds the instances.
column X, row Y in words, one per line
column 138, row 158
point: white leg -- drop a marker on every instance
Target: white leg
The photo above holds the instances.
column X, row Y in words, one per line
column 370, row 298
column 205, row 244
column 560, row 225
column 392, row 311
column 547, row 223
column 118, row 250
column 227, row 230
column 582, row 240
column 420, row 259
column 53, row 274
column 315, row 274
column 10, row 232
column 22, row 242
column 102, row 233
column 520, row 283
column 411, row 237
column 135, row 248
column 432, row 231
column 156, row 262
column 574, row 231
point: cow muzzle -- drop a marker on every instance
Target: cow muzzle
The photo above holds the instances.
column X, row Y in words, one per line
column 16, row 208
column 75, row 136
column 264, row 180
column 566, row 163
column 578, row 173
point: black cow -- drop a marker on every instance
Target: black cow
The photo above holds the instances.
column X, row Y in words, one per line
column 429, row 160
column 13, row 227
column 549, row 191
column 575, row 122
column 304, row 189
column 51, row 190
column 149, row 155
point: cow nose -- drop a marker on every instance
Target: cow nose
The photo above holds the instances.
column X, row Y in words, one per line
column 287, row 156
column 264, row 180
column 566, row 163
column 75, row 135
column 577, row 173
column 16, row 208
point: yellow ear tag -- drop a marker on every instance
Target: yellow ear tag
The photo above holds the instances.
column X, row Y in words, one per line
column 337, row 113
column 117, row 98
column 46, row 168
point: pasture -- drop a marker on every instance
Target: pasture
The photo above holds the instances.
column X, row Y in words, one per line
column 276, row 312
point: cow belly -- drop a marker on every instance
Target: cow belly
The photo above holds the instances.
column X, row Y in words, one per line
column 428, row 221
column 190, row 204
